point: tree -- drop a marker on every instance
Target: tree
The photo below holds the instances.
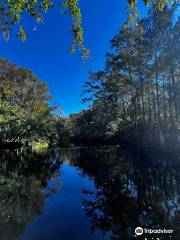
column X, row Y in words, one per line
column 24, row 105
column 138, row 91
column 12, row 11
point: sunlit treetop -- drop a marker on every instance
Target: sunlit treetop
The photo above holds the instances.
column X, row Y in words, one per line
column 12, row 11
column 134, row 12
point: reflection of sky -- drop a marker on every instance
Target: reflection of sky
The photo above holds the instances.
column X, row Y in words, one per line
column 173, row 207
column 132, row 189
column 64, row 217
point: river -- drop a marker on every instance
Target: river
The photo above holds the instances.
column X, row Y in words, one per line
column 88, row 193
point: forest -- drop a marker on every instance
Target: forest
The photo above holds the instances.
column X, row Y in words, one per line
column 104, row 172
column 135, row 97
column 26, row 115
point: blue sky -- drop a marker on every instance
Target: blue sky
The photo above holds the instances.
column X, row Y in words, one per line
column 46, row 50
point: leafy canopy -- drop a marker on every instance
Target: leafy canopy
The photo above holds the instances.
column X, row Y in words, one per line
column 12, row 11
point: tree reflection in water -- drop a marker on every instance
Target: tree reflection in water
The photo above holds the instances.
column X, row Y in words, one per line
column 137, row 189
column 131, row 189
column 23, row 176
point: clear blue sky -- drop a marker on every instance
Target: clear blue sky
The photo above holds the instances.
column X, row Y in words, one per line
column 46, row 50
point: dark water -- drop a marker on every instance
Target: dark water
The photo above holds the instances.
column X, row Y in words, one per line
column 82, row 194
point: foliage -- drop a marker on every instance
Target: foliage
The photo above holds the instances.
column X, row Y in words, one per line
column 40, row 145
column 138, row 91
column 63, row 131
column 25, row 113
column 12, row 11
column 157, row 4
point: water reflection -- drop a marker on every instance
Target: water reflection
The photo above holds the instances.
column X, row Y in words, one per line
column 131, row 188
column 23, row 175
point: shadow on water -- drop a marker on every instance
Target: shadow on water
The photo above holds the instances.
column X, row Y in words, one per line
column 131, row 189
